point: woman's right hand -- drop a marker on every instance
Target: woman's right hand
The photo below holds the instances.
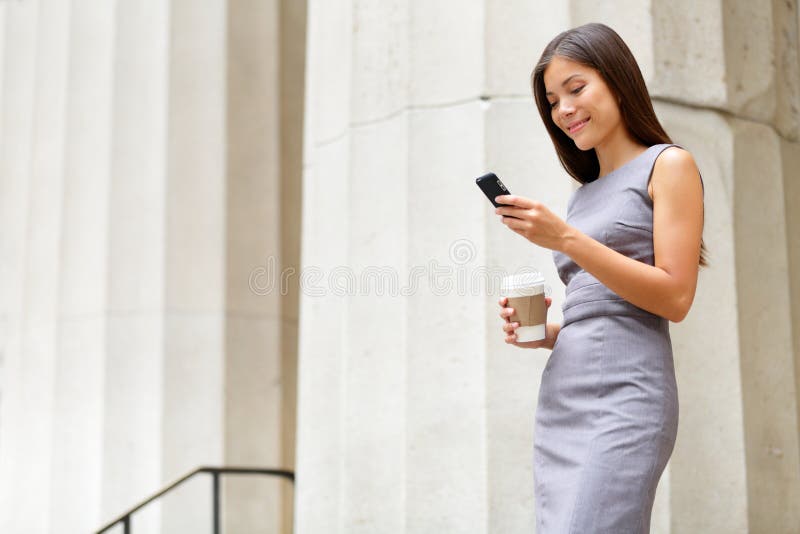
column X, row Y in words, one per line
column 551, row 329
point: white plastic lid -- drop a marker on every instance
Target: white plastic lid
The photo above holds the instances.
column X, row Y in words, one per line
column 515, row 281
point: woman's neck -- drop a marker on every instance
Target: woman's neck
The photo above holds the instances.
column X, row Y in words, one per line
column 614, row 155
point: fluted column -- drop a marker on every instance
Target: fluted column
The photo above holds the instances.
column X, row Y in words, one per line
column 79, row 384
column 518, row 149
column 387, row 83
column 5, row 264
column 293, row 39
column 194, row 327
column 33, row 366
column 134, row 368
column 20, row 38
column 709, row 451
column 321, row 324
column 400, row 388
column 261, row 224
column 140, row 192
column 736, row 361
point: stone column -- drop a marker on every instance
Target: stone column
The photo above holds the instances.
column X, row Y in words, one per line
column 518, row 149
column 399, row 390
column 28, row 462
column 195, row 286
column 435, row 412
column 320, row 410
column 135, row 340
column 140, row 191
column 79, row 384
column 737, row 456
column 293, row 37
column 260, row 222
column 4, row 261
column 709, row 453
column 20, row 37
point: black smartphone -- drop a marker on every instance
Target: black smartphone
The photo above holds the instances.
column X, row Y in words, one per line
column 492, row 187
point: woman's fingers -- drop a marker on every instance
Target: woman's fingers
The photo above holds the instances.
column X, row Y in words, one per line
column 514, row 200
column 505, row 313
column 508, row 327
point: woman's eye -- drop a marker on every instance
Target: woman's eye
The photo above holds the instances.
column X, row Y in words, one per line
column 575, row 92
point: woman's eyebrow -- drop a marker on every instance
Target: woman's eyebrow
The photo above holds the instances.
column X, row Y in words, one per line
column 564, row 82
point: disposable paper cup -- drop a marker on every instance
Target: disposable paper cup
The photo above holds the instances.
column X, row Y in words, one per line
column 525, row 294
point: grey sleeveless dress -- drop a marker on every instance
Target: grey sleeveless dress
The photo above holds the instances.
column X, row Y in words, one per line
column 607, row 415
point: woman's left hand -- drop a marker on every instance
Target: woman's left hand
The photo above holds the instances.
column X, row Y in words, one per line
column 533, row 221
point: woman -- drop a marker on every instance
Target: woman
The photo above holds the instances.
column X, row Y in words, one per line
column 629, row 253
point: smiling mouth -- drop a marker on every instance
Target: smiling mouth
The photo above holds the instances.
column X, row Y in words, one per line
column 578, row 126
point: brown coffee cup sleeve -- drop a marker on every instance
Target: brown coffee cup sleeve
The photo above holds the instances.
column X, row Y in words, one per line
column 528, row 311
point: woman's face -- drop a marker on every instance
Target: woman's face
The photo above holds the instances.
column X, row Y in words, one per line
column 578, row 94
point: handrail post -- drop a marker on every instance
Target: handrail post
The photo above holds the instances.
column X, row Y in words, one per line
column 126, row 524
column 215, row 479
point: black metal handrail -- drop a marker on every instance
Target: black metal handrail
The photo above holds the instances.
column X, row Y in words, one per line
column 125, row 519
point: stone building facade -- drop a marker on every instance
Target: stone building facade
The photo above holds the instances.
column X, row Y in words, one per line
column 245, row 232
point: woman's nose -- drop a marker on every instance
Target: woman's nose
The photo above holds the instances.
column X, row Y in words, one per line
column 567, row 109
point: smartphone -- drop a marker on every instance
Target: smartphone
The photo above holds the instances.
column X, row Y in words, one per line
column 492, row 187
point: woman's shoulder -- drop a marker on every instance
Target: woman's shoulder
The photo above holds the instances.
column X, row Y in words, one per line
column 674, row 154
column 674, row 165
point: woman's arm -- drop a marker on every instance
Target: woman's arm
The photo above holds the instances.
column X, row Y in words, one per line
column 667, row 288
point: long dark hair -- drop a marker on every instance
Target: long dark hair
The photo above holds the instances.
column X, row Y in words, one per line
column 599, row 47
